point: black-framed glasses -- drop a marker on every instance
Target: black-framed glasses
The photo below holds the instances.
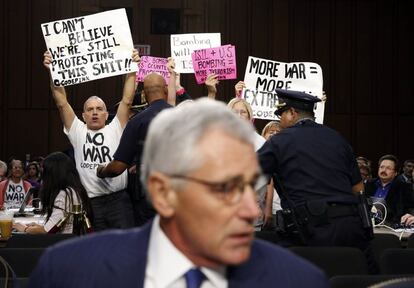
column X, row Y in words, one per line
column 231, row 190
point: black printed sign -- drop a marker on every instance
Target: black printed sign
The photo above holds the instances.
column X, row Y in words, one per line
column 262, row 77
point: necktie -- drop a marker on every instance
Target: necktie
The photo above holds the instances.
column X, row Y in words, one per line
column 194, row 277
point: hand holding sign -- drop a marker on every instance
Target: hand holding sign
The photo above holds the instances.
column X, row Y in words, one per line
column 170, row 65
column 47, row 59
column 135, row 56
column 238, row 88
column 211, row 83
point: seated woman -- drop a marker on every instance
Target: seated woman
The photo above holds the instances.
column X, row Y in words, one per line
column 61, row 189
column 33, row 174
column 13, row 190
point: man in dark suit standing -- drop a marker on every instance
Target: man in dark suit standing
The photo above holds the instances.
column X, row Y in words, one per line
column 201, row 171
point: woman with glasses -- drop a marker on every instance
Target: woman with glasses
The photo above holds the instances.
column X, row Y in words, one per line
column 13, row 190
column 265, row 194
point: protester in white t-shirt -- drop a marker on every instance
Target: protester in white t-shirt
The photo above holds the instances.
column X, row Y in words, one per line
column 13, row 190
column 94, row 143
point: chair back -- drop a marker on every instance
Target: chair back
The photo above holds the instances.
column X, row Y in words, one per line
column 36, row 240
column 402, row 282
column 16, row 282
column 382, row 242
column 410, row 241
column 335, row 260
column 397, row 261
column 359, row 281
column 21, row 260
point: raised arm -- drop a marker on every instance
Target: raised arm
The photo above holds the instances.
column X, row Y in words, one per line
column 128, row 94
column 171, row 84
column 238, row 88
column 211, row 84
column 67, row 115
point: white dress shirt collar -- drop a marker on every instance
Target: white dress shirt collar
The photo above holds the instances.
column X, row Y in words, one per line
column 166, row 265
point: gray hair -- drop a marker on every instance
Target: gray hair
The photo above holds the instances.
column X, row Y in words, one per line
column 3, row 166
column 93, row 98
column 171, row 143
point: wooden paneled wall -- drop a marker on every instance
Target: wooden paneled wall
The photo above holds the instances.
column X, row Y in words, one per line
column 365, row 49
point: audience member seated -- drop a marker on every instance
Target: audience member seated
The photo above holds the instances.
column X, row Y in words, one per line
column 407, row 175
column 61, row 189
column 394, row 194
column 365, row 171
column 3, row 170
column 407, row 171
column 362, row 161
column 33, row 174
column 14, row 188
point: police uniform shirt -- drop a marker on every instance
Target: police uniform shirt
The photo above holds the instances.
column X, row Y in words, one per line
column 313, row 162
column 132, row 140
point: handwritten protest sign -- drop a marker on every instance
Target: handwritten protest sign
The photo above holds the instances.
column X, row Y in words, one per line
column 262, row 77
column 150, row 64
column 90, row 47
column 182, row 45
column 219, row 60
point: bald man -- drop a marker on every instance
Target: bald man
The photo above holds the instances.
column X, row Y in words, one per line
column 132, row 142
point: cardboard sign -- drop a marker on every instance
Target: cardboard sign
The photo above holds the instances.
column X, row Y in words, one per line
column 90, row 47
column 150, row 64
column 262, row 77
column 182, row 45
column 219, row 60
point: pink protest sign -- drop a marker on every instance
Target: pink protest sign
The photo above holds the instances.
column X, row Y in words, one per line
column 219, row 60
column 151, row 64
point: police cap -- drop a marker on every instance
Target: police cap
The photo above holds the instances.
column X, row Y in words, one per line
column 296, row 99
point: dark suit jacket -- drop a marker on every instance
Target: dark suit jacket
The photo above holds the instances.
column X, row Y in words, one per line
column 118, row 259
column 398, row 201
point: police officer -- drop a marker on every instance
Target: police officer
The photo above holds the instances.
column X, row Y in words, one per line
column 317, row 178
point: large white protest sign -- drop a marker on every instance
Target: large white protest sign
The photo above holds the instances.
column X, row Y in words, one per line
column 263, row 77
column 90, row 47
column 182, row 45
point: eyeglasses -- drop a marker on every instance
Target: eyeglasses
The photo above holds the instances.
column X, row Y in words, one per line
column 240, row 112
column 231, row 190
column 382, row 167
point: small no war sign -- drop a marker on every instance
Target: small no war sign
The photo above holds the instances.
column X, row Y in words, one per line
column 262, row 77
column 218, row 60
column 89, row 47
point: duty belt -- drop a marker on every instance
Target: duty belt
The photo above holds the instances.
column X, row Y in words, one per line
column 340, row 210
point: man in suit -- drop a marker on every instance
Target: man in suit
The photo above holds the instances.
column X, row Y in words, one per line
column 200, row 169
